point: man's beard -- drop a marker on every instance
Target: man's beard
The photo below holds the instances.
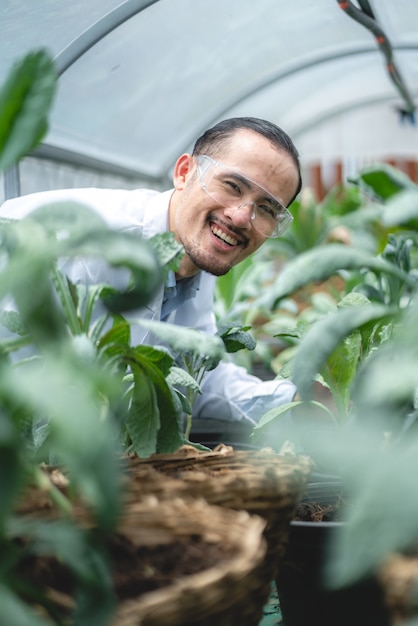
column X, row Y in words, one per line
column 206, row 262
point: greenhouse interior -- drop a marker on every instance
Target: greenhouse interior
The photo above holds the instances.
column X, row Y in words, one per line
column 140, row 80
column 331, row 304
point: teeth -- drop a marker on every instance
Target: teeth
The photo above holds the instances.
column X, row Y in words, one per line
column 219, row 233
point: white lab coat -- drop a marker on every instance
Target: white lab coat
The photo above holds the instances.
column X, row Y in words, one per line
column 229, row 392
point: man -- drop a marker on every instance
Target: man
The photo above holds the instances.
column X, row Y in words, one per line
column 229, row 196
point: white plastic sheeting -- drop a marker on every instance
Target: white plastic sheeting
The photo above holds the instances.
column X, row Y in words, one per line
column 136, row 97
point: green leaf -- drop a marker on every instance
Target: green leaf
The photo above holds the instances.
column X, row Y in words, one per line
column 68, row 219
column 271, row 417
column 11, row 467
column 402, row 209
column 384, row 180
column 13, row 322
column 68, row 390
column 238, row 340
column 122, row 250
column 277, row 413
column 157, row 356
column 116, row 340
column 143, row 420
column 25, row 101
column 182, row 339
column 322, row 263
column 382, row 519
column 241, row 282
column 15, row 611
column 170, row 435
column 323, row 338
column 340, row 370
column 154, row 419
column 178, row 376
column 168, row 251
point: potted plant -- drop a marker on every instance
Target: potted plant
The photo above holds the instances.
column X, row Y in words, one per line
column 342, row 350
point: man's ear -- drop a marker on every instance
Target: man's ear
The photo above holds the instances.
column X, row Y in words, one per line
column 183, row 169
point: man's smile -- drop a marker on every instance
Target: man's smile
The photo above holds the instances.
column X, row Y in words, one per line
column 225, row 234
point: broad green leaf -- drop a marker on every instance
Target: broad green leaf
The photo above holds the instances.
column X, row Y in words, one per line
column 179, row 377
column 238, row 340
column 272, row 416
column 158, row 363
column 154, row 416
column 67, row 218
column 25, row 101
column 182, row 339
column 143, row 419
column 68, row 391
column 385, row 180
column 169, row 252
column 15, row 611
column 13, row 322
column 386, row 384
column 185, row 405
column 322, row 263
column 115, row 341
column 38, row 307
column 158, row 355
column 11, row 468
column 170, row 435
column 401, row 209
column 67, row 295
column 241, row 282
column 341, row 368
column 381, row 521
column 323, row 338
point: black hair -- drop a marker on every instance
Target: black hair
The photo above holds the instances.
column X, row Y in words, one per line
column 212, row 140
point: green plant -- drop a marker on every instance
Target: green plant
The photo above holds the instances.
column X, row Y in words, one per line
column 331, row 347
column 366, row 351
column 194, row 354
column 45, row 386
column 65, row 365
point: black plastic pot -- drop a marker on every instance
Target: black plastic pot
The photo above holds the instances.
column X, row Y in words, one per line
column 303, row 597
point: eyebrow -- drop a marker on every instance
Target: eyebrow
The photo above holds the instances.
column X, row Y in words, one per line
column 249, row 185
column 240, row 178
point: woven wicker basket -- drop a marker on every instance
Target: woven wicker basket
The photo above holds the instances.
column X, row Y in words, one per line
column 398, row 576
column 226, row 589
column 230, row 592
column 260, row 482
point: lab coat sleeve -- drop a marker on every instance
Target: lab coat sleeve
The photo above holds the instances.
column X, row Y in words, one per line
column 230, row 393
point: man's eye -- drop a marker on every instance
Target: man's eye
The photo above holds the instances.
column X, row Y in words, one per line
column 267, row 210
column 232, row 187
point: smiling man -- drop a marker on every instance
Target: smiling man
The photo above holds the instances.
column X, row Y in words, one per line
column 229, row 196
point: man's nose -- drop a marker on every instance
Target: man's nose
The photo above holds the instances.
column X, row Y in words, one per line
column 240, row 215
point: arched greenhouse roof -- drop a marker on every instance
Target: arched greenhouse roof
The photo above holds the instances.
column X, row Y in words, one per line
column 141, row 79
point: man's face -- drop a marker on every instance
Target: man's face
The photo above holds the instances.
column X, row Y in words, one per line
column 215, row 237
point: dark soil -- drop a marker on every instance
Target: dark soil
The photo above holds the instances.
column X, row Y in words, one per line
column 319, row 512
column 135, row 569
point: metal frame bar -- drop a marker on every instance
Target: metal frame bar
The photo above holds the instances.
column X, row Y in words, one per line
column 290, row 72
column 365, row 17
column 71, row 157
column 329, row 115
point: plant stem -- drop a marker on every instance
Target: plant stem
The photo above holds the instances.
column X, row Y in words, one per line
column 188, row 426
column 43, row 481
